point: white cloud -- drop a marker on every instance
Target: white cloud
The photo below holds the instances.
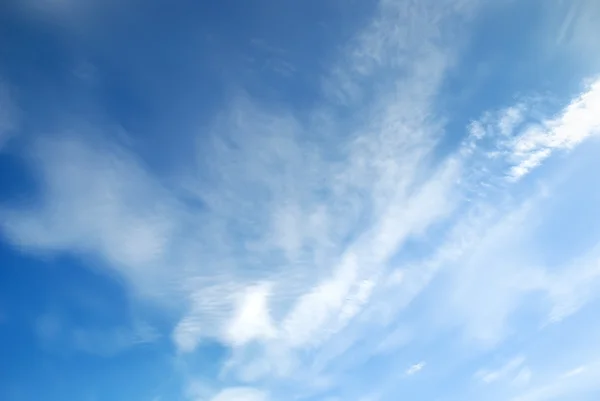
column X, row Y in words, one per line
column 489, row 270
column 322, row 304
column 231, row 306
column 584, row 382
column 524, row 137
column 509, row 371
column 188, row 333
column 415, row 368
column 240, row 394
column 288, row 258
column 262, row 188
column 234, row 314
column 574, row 286
column 96, row 199
column 373, row 181
column 251, row 320
column 574, row 372
column 579, row 120
column 573, row 33
column 488, row 283
column 509, row 119
column 493, row 271
column 523, row 378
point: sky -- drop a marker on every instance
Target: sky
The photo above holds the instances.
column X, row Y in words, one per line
column 336, row 200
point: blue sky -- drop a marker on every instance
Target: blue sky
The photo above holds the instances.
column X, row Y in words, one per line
column 299, row 200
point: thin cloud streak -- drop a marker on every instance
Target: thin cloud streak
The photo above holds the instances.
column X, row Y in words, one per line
column 415, row 368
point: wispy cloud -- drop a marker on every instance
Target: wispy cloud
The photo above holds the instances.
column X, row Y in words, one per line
column 283, row 240
column 575, row 123
column 415, row 368
column 58, row 334
column 573, row 31
column 96, row 200
column 240, row 394
column 511, row 370
column 294, row 230
column 529, row 139
column 574, row 385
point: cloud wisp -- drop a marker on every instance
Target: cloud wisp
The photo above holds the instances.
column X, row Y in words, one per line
column 284, row 240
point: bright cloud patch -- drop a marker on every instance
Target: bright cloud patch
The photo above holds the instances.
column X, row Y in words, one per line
column 240, row 394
